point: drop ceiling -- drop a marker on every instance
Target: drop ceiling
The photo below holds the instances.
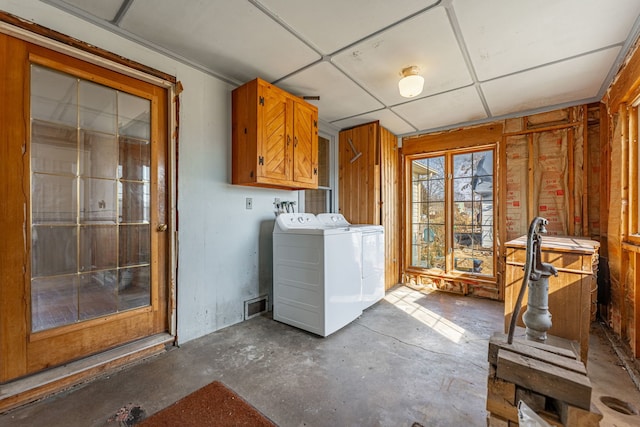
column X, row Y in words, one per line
column 481, row 60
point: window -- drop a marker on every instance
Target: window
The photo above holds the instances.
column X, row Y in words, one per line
column 321, row 199
column 452, row 212
column 634, row 161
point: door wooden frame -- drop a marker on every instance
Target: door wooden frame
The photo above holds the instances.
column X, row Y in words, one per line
column 14, row 299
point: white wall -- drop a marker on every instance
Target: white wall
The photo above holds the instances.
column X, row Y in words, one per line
column 224, row 255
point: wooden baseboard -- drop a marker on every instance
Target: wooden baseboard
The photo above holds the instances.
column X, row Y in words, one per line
column 38, row 386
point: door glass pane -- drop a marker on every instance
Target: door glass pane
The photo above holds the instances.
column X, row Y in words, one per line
column 90, row 200
column 98, row 154
column 54, row 301
column 473, row 212
column 97, row 107
column 98, row 247
column 428, row 212
column 98, row 294
column 54, row 96
column 53, row 250
column 134, row 116
column 53, row 198
column 98, row 200
column 54, row 148
column 135, row 159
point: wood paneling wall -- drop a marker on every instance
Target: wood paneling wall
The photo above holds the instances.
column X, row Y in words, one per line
column 358, row 182
column 368, row 187
column 391, row 205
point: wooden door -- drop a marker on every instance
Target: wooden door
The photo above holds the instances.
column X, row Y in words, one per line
column 274, row 122
column 84, row 211
column 305, row 144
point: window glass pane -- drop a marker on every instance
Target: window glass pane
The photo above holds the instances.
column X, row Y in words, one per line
column 473, row 212
column 54, row 96
column 428, row 212
column 463, row 165
column 317, row 201
column 471, row 218
column 324, row 169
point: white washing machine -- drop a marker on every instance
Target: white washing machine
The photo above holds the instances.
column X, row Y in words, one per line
column 316, row 274
column 372, row 274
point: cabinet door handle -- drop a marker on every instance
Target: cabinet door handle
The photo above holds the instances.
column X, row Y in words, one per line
column 162, row 227
column 295, row 141
column 288, row 140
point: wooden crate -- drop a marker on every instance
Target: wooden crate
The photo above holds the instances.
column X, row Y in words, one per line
column 551, row 380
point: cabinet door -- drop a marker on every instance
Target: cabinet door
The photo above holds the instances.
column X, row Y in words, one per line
column 274, row 135
column 305, row 144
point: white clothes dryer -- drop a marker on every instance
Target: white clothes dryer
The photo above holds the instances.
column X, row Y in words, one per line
column 373, row 261
column 316, row 274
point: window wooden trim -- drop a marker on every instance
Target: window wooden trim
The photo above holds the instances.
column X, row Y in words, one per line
column 633, row 234
column 467, row 139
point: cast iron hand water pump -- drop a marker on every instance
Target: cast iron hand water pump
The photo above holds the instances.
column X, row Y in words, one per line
column 537, row 318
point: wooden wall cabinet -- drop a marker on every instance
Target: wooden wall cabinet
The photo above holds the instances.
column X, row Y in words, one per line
column 274, row 138
column 571, row 295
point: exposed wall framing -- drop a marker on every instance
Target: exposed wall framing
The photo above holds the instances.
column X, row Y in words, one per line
column 547, row 165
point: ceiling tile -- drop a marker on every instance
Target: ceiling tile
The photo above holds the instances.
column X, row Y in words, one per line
column 333, row 24
column 563, row 82
column 426, row 41
column 339, row 96
column 458, row 106
column 106, row 10
column 234, row 38
column 387, row 118
column 505, row 36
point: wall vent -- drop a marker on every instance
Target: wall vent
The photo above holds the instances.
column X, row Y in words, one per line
column 254, row 307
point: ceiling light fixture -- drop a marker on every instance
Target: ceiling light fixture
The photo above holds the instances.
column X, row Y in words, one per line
column 411, row 83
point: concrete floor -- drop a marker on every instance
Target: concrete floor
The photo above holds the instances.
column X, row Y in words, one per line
column 413, row 357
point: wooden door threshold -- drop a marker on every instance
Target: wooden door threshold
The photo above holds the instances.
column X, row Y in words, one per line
column 46, row 383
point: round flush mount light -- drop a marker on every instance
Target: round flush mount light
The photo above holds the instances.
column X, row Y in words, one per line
column 411, row 83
